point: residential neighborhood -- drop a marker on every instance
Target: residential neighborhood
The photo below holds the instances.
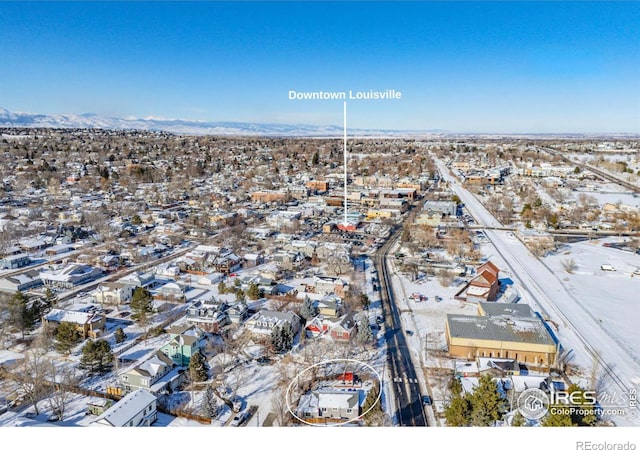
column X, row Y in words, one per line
column 202, row 296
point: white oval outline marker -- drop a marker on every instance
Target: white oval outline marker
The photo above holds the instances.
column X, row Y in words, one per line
column 338, row 423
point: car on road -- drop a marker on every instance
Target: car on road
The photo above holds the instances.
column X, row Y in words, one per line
column 237, row 420
column 426, row 400
column 409, row 333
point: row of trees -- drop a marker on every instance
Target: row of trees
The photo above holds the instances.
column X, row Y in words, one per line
column 481, row 408
column 486, row 405
column 253, row 291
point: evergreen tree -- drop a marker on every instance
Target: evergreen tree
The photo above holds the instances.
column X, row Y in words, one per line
column 141, row 304
column 120, row 335
column 240, row 297
column 487, row 403
column 364, row 332
column 372, row 408
column 49, row 297
column 458, row 412
column 21, row 316
column 282, row 338
column 198, row 368
column 67, row 336
column 584, row 414
column 315, row 159
column 210, row 407
column 364, row 300
column 96, row 356
column 557, row 420
column 222, row 288
column 308, row 310
column 518, row 420
column 455, row 386
column 253, row 292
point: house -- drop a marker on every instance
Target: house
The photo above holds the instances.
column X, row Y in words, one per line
column 252, row 260
column 89, row 324
column 327, row 405
column 265, row 321
column 171, row 292
column 71, row 275
column 225, row 262
column 330, row 305
column 136, row 409
column 338, row 330
column 330, row 285
column 138, row 279
column 184, row 342
column 21, row 282
column 156, row 374
column 343, row 330
column 97, row 406
column 33, row 245
column 15, row 261
column 114, row 293
column 58, row 249
column 210, row 278
column 499, row 366
column 237, row 312
column 483, row 287
column 209, row 316
column 108, row 261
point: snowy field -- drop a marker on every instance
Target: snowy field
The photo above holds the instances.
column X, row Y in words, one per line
column 609, row 193
column 610, row 298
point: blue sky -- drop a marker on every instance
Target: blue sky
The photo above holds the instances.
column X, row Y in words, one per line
column 461, row 66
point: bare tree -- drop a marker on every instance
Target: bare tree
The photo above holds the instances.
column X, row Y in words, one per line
column 31, row 377
column 63, row 378
column 280, row 406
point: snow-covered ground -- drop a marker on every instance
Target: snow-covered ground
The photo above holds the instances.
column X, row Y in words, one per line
column 252, row 384
column 581, row 332
column 610, row 298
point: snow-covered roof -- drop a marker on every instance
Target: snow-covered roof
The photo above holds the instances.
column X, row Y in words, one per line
column 77, row 317
column 126, row 409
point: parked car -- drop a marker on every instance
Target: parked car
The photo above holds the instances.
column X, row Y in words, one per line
column 237, row 420
column 426, row 400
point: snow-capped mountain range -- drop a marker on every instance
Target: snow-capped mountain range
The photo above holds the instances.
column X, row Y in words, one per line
column 177, row 126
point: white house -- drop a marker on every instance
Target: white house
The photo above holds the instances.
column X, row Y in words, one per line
column 136, row 409
column 114, row 293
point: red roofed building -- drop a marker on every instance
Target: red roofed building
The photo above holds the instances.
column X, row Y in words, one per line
column 483, row 287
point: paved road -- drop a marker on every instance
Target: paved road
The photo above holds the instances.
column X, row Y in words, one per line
column 405, row 385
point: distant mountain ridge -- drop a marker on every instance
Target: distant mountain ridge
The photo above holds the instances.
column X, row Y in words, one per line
column 177, row 126
column 195, row 127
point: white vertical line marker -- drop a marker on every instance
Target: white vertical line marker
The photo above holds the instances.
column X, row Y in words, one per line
column 345, row 164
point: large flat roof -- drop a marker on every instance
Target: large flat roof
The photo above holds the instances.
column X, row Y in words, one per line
column 500, row 328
